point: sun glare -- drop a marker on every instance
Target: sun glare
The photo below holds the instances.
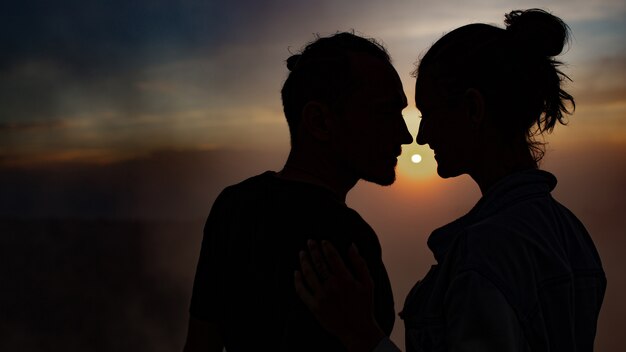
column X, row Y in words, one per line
column 417, row 162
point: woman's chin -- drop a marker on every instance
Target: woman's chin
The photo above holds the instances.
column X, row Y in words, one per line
column 444, row 172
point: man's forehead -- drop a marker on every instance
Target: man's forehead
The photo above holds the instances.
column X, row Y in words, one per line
column 383, row 92
column 378, row 80
column 372, row 68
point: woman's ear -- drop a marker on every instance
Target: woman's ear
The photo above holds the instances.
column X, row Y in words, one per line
column 475, row 105
column 315, row 120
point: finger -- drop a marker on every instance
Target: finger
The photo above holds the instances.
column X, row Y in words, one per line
column 308, row 274
column 359, row 265
column 336, row 264
column 318, row 261
column 302, row 291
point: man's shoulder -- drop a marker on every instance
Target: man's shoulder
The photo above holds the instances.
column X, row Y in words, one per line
column 252, row 182
column 283, row 205
column 247, row 188
column 274, row 194
column 267, row 188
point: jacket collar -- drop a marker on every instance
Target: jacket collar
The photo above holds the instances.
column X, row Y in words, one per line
column 509, row 190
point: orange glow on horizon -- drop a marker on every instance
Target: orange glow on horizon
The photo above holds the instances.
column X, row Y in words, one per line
column 89, row 156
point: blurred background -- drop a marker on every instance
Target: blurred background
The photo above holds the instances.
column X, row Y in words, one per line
column 121, row 121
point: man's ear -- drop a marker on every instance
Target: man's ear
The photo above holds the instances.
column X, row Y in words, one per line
column 475, row 105
column 315, row 120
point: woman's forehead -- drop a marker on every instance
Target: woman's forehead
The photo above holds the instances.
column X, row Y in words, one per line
column 425, row 87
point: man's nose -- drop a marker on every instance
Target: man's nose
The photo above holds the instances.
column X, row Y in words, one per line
column 405, row 135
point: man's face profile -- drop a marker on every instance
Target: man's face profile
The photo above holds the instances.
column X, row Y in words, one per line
column 370, row 130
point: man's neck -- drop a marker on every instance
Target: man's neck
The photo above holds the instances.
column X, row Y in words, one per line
column 318, row 175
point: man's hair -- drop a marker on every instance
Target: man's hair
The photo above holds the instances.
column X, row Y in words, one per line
column 322, row 72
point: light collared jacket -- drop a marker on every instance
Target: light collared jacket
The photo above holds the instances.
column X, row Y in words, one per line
column 519, row 272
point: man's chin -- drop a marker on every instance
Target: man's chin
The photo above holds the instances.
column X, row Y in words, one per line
column 382, row 180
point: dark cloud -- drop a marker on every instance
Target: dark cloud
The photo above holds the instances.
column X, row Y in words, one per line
column 92, row 35
column 32, row 125
column 76, row 56
column 164, row 185
column 600, row 81
column 84, row 58
column 47, row 90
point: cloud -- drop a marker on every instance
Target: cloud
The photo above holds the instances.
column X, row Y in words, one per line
column 149, row 75
column 600, row 81
column 32, row 125
column 168, row 184
column 87, row 57
column 99, row 36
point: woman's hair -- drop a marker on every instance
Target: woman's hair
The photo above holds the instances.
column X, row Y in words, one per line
column 514, row 69
column 322, row 72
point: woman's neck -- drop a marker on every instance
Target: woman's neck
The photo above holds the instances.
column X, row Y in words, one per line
column 500, row 163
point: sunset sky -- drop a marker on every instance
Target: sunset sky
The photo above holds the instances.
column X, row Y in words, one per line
column 184, row 96
column 114, row 79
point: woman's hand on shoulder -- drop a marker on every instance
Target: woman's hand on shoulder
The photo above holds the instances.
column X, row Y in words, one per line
column 342, row 302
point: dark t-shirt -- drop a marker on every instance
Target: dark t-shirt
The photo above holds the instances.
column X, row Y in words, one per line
column 244, row 280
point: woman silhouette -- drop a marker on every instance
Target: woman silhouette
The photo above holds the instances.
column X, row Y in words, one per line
column 519, row 272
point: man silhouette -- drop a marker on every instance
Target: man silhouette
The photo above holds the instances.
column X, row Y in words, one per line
column 343, row 102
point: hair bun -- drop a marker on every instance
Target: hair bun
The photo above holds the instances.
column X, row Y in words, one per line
column 538, row 30
column 292, row 61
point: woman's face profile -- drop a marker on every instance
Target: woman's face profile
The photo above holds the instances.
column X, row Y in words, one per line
column 445, row 126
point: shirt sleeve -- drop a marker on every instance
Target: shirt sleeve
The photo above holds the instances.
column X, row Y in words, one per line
column 479, row 318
